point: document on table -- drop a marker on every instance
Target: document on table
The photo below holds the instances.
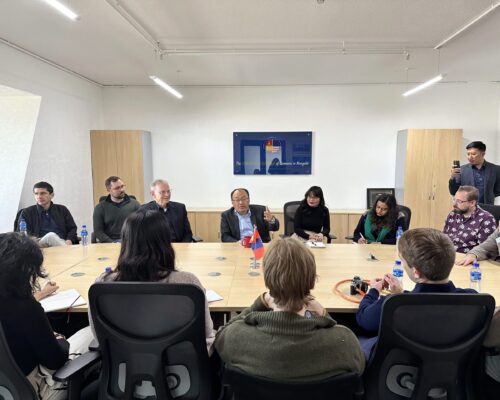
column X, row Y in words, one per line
column 212, row 296
column 62, row 300
column 313, row 244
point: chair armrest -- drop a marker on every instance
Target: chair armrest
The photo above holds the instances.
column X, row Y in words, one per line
column 94, row 345
column 350, row 237
column 197, row 239
column 78, row 365
column 332, row 237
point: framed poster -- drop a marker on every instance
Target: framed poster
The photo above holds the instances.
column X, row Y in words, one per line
column 272, row 153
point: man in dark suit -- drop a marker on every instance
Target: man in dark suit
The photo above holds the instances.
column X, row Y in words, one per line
column 238, row 221
column 479, row 173
column 175, row 213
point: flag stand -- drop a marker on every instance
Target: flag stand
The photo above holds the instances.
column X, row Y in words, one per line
column 254, row 265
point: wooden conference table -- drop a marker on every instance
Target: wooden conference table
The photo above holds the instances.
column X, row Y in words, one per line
column 75, row 267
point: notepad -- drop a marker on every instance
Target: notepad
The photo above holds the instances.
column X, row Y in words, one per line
column 62, row 300
column 315, row 245
column 212, row 296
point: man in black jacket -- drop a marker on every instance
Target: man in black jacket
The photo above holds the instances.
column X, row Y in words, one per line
column 239, row 220
column 51, row 223
column 175, row 213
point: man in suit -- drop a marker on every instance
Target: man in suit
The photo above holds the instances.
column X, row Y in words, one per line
column 239, row 220
column 479, row 173
column 174, row 212
column 110, row 214
column 51, row 223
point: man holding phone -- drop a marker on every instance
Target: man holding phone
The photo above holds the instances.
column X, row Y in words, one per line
column 238, row 222
column 483, row 175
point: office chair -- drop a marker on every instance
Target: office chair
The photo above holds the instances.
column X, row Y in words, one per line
column 347, row 386
column 405, row 211
column 428, row 346
column 493, row 210
column 151, row 335
column 102, row 198
column 289, row 210
column 16, row 220
column 14, row 384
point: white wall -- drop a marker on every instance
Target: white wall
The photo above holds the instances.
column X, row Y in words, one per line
column 60, row 153
column 354, row 140
column 18, row 116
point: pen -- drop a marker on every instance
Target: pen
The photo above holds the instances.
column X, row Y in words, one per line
column 362, row 237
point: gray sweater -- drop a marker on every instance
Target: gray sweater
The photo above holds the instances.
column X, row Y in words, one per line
column 285, row 345
column 489, row 248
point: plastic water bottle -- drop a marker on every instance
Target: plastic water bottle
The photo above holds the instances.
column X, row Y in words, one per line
column 475, row 277
column 398, row 272
column 399, row 233
column 85, row 236
column 23, row 228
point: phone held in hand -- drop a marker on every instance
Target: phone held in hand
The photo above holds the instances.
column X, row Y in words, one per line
column 456, row 163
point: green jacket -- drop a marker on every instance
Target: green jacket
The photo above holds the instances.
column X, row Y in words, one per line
column 284, row 345
column 109, row 218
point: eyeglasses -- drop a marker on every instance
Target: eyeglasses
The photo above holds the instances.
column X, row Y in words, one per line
column 460, row 202
column 243, row 200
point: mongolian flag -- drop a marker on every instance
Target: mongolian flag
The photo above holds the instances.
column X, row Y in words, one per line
column 257, row 245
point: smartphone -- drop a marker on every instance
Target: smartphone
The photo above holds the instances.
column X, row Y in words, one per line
column 456, row 163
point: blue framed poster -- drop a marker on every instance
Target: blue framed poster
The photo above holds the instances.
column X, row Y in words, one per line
column 272, row 153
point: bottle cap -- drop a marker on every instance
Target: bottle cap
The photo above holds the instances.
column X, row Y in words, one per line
column 475, row 264
column 84, row 226
column 107, row 269
column 398, row 262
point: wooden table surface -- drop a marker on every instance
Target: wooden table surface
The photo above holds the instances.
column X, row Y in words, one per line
column 75, row 267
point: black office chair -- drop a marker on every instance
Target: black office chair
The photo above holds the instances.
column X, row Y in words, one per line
column 493, row 210
column 428, row 346
column 289, row 210
column 14, row 384
column 244, row 386
column 152, row 333
column 405, row 211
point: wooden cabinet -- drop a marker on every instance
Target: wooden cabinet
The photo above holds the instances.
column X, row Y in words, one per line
column 126, row 154
column 423, row 167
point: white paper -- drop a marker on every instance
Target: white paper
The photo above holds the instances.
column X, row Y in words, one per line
column 212, row 296
column 62, row 300
column 313, row 244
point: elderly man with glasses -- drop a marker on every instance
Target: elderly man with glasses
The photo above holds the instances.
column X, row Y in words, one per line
column 238, row 222
column 468, row 225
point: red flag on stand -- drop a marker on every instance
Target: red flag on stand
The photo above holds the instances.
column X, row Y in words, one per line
column 257, row 245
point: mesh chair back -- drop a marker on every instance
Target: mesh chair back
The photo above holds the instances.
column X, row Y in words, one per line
column 153, row 332
column 289, row 210
column 432, row 340
column 13, row 383
column 493, row 210
column 407, row 216
column 346, row 386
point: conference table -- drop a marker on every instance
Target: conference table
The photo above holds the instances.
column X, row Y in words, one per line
column 226, row 268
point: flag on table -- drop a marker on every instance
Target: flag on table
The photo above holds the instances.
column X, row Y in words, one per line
column 257, row 245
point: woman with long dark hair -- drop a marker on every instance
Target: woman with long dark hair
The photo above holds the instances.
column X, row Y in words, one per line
column 380, row 223
column 147, row 255
column 312, row 218
column 35, row 347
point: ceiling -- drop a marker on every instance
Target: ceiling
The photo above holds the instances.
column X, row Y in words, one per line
column 260, row 42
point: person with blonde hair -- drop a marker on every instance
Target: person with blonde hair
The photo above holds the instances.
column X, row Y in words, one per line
column 286, row 333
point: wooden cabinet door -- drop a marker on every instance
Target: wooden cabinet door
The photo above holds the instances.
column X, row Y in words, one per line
column 104, row 162
column 130, row 162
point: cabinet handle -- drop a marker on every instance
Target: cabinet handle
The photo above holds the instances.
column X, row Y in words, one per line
column 430, row 195
column 433, row 196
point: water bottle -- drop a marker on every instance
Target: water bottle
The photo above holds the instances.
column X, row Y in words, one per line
column 85, row 236
column 23, row 228
column 399, row 233
column 398, row 272
column 475, row 277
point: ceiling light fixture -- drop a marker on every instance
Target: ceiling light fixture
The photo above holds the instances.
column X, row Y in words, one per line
column 166, row 86
column 62, row 9
column 468, row 25
column 418, row 88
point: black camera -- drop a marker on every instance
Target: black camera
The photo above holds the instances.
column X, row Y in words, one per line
column 358, row 284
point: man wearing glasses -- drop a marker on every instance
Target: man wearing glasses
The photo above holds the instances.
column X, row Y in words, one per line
column 238, row 222
column 468, row 225
column 175, row 213
column 110, row 213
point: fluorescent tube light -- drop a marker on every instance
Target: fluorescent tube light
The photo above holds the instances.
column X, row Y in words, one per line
column 62, row 9
column 424, row 85
column 166, row 86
